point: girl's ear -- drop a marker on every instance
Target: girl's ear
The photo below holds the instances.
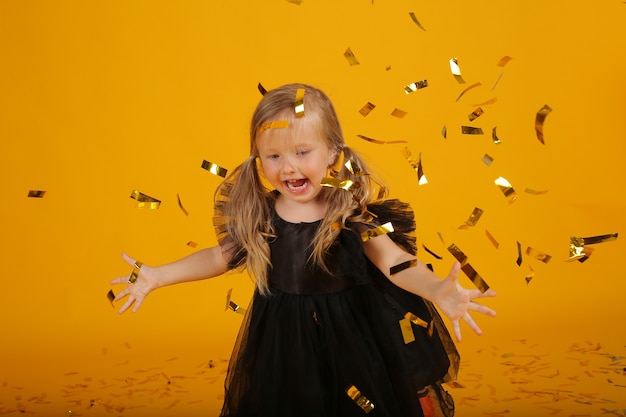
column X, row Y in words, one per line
column 335, row 162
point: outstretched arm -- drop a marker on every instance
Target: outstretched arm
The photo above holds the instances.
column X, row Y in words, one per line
column 203, row 264
column 450, row 297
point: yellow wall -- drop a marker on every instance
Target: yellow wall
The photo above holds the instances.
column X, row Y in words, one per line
column 101, row 98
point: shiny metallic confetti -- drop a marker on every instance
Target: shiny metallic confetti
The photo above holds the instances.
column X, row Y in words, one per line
column 487, row 102
column 36, row 193
column 353, row 167
column 519, row 254
column 503, row 61
column 299, row 107
column 377, row 231
column 478, row 84
column 535, row 192
column 475, row 114
column 230, row 304
column 398, row 113
column 594, row 240
column 407, row 331
column 579, row 251
column 471, row 273
column 111, row 296
column 494, row 136
column 145, row 201
column 214, row 169
column 529, row 277
column 415, row 320
column 337, row 183
column 431, row 252
column 470, row 130
column 414, row 18
column 366, row 109
column 472, row 219
column 539, row 121
column 493, row 87
column 417, row 85
column 350, row 57
column 262, row 89
column 493, row 240
column 538, row 255
column 360, row 400
column 192, row 244
column 298, row 2
column 487, row 159
column 412, row 263
column 416, row 164
column 444, row 132
column 276, row 124
column 456, row 70
column 506, row 188
column 380, row 142
column 180, row 204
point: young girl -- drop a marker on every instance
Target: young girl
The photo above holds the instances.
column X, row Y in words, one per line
column 341, row 322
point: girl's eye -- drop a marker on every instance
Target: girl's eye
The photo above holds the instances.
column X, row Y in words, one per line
column 303, row 152
column 272, row 156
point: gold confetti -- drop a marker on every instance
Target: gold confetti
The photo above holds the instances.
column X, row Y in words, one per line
column 478, row 84
column 519, row 254
column 534, row 192
column 493, row 241
column 539, row 120
column 230, row 304
column 300, row 102
column 353, row 168
column 366, row 109
column 431, row 252
column 111, row 296
column 471, row 273
column 470, row 130
column 493, row 87
column 192, row 244
column 276, row 124
column 415, row 320
column 36, row 193
column 487, row 159
column 444, row 132
column 350, row 57
column 416, row 164
column 407, row 331
column 414, row 18
column 506, row 188
column 337, row 183
column 456, row 71
column 593, row 240
column 412, row 263
column 398, row 113
column 180, row 204
column 360, row 400
column 417, row 85
column 214, row 168
column 540, row 256
column 529, row 277
column 298, row 2
column 472, row 219
column 475, row 114
column 145, row 201
column 380, row 142
column 504, row 60
column 494, row 136
column 377, row 231
column 441, row 237
column 262, row 89
column 579, row 251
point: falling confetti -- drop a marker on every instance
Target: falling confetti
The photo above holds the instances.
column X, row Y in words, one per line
column 380, row 142
column 299, row 108
column 214, row 168
column 36, row 193
column 398, row 113
column 506, row 188
column 366, row 109
column 350, row 57
column 456, row 71
column 417, row 85
column 145, row 201
column 180, row 204
column 539, row 120
column 414, row 18
column 478, row 84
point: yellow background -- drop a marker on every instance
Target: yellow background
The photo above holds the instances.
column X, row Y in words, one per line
column 99, row 98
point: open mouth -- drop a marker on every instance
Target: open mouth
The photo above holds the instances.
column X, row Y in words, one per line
column 297, row 185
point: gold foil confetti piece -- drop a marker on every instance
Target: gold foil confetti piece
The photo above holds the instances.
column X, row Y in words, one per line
column 381, row 142
column 360, row 400
column 192, row 244
column 145, row 201
column 350, row 57
column 444, row 132
column 471, row 273
column 529, row 277
column 471, row 130
column 367, row 108
column 353, row 167
column 180, row 204
column 262, row 89
column 493, row 87
column 416, row 320
column 377, row 231
column 535, row 192
column 506, row 188
column 229, row 294
column 504, row 60
column 214, row 169
column 431, row 252
column 594, row 240
column 487, row 159
column 472, row 219
column 298, row 2
column 577, row 249
column 407, row 331
column 388, row 68
column 539, row 120
column 493, row 240
column 412, row 263
column 494, row 136
column 417, row 85
column 276, row 124
column 398, row 113
column 487, row 103
column 475, row 114
column 414, row 18
column 337, row 226
column 36, row 193
column 519, row 254
column 441, row 237
column 111, row 296
column 416, row 164
column 337, row 183
column 299, row 108
column 538, row 255
column 478, row 84
column 456, row 70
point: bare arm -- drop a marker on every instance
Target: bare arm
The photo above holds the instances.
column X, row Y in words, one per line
column 203, row 264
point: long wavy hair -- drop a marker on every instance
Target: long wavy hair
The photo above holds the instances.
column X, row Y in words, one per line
column 245, row 200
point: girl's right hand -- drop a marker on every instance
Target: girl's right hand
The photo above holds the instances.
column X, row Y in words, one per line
column 145, row 283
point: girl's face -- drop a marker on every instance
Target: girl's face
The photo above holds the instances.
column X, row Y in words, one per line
column 295, row 159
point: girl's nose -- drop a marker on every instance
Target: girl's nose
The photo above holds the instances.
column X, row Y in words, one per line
column 287, row 166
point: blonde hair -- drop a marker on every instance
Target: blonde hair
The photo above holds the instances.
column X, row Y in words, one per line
column 247, row 211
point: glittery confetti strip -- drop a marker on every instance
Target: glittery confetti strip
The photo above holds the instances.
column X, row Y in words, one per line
column 471, row 130
column 539, row 121
column 214, row 168
column 262, row 89
column 412, row 263
column 417, row 85
column 472, row 219
column 350, row 57
column 398, row 113
column 506, row 188
column 487, row 159
column 538, row 255
column 360, row 400
column 145, row 201
column 471, row 273
column 337, row 183
column 299, row 107
column 416, row 164
column 111, row 296
column 478, row 84
column 414, row 18
column 475, row 114
column 456, row 70
column 494, row 136
column 367, row 108
column 36, row 193
column 381, row 142
column 431, row 252
column 180, row 204
column 377, row 231
column 493, row 240
column 276, row 124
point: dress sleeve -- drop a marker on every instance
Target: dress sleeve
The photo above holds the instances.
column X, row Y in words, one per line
column 401, row 217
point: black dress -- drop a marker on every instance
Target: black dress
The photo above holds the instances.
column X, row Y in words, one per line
column 331, row 345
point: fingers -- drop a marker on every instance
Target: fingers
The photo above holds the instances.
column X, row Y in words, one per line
column 456, row 326
column 472, row 324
